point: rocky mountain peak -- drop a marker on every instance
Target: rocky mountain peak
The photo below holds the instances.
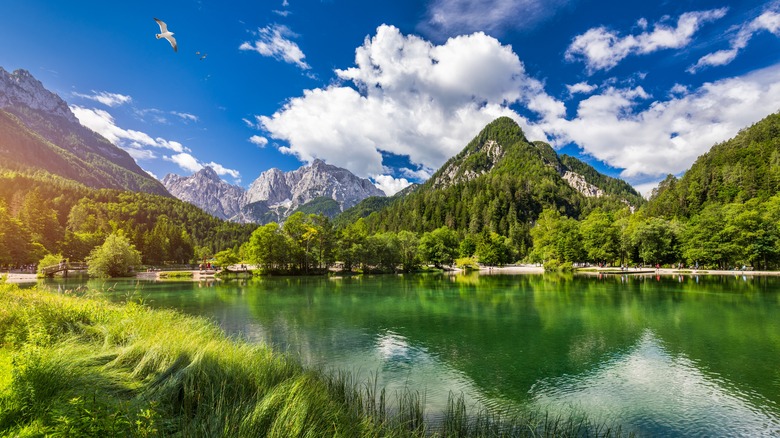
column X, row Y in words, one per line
column 21, row 88
column 207, row 173
column 206, row 190
column 274, row 195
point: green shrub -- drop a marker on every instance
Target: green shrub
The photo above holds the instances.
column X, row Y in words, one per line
column 117, row 257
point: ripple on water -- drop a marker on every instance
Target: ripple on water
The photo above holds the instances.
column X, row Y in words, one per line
column 654, row 393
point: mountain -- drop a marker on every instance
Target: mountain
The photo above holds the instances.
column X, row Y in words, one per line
column 206, row 190
column 38, row 132
column 274, row 195
column 501, row 182
column 738, row 170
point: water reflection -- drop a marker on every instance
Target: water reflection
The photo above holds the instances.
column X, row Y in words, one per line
column 654, row 352
column 657, row 394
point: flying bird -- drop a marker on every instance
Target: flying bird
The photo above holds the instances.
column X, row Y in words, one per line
column 203, row 56
column 164, row 33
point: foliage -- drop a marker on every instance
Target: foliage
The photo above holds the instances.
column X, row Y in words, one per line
column 226, row 258
column 556, row 237
column 466, row 263
column 494, row 250
column 117, row 257
column 439, row 247
column 322, row 205
column 49, row 260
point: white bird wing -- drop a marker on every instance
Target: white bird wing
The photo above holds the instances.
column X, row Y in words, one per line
column 163, row 26
column 172, row 40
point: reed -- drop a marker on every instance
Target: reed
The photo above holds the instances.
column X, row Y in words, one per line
column 80, row 366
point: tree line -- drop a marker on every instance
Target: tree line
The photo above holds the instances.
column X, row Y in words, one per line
column 44, row 214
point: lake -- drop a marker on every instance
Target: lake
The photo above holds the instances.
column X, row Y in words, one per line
column 669, row 356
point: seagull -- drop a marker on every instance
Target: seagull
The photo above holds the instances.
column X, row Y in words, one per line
column 166, row 34
column 202, row 57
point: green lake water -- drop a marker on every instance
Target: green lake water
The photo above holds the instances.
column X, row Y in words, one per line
column 660, row 356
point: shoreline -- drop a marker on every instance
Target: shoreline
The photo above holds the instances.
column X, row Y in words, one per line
column 19, row 278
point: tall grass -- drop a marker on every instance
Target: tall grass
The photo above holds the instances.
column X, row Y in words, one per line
column 80, row 366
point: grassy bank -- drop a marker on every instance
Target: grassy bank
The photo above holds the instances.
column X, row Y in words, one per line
column 80, row 366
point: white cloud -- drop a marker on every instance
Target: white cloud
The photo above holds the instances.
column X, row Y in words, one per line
column 601, row 49
column 191, row 164
column 134, row 142
column 390, row 185
column 646, row 189
column 679, row 89
column 769, row 21
column 185, row 161
column 281, row 13
column 274, row 41
column 669, row 135
column 581, row 87
column 258, row 140
column 106, row 98
column 419, row 174
column 413, row 99
column 185, row 116
column 222, row 170
column 151, row 174
column 459, row 17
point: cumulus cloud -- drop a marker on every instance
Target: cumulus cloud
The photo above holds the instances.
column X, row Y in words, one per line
column 581, row 87
column 667, row 135
column 222, row 170
column 458, row 17
column 389, row 184
column 274, row 41
column 258, row 140
column 419, row 174
column 769, row 21
column 411, row 98
column 106, row 98
column 185, row 161
column 191, row 164
column 602, row 49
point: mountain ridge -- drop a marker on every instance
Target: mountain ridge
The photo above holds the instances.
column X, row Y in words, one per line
column 38, row 131
column 275, row 194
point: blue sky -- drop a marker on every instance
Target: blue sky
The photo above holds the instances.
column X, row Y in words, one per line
column 392, row 89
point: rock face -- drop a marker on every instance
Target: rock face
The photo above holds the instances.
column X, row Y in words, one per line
column 473, row 163
column 38, row 131
column 206, row 190
column 274, row 195
column 578, row 183
column 20, row 88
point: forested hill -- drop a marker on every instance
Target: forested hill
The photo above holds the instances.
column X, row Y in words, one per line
column 39, row 132
column 501, row 182
column 43, row 213
column 743, row 168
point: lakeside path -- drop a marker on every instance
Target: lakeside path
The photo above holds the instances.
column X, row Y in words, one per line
column 534, row 269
